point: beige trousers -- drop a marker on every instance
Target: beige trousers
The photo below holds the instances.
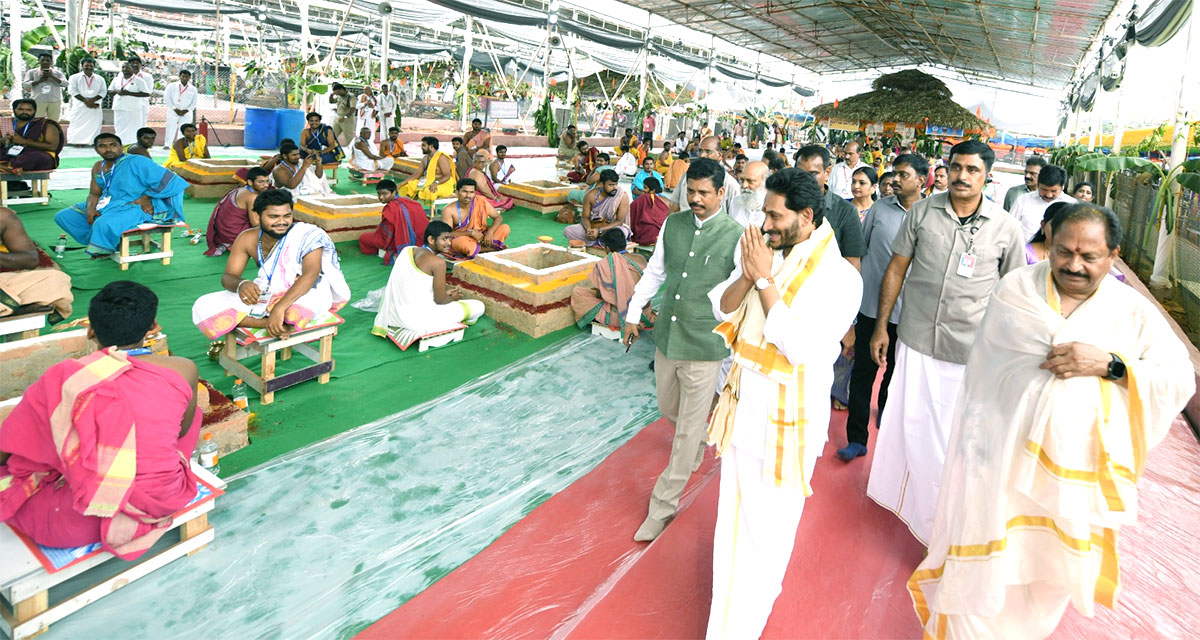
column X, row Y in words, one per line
column 50, row 110
column 685, row 393
column 343, row 130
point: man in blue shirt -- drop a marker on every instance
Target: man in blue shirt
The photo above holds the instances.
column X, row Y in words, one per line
column 647, row 171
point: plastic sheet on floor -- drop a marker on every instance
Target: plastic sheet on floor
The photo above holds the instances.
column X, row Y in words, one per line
column 330, row 538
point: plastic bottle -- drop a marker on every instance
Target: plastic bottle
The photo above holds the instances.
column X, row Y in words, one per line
column 61, row 248
column 208, row 455
column 184, row 230
column 239, row 394
column 196, row 237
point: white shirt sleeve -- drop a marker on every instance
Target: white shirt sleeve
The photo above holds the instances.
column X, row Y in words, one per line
column 1022, row 212
column 169, row 94
column 73, row 85
column 652, row 279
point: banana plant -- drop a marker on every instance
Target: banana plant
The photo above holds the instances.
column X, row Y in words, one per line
column 1186, row 175
column 543, row 119
column 813, row 131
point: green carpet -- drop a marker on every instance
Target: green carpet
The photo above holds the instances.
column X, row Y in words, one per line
column 373, row 378
column 159, row 155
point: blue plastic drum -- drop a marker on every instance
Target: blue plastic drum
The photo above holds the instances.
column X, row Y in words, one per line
column 290, row 123
column 261, row 128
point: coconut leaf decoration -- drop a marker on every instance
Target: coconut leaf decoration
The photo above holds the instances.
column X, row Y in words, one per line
column 909, row 97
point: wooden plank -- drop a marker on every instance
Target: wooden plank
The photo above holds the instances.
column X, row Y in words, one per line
column 166, row 247
column 268, row 374
column 31, row 607
column 234, row 368
column 298, row 376
column 193, row 528
column 326, row 357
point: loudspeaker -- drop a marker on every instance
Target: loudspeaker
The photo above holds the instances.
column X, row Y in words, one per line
column 385, row 8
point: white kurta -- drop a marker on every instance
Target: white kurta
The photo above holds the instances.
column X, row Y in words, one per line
column 1028, row 520
column 366, row 115
column 364, row 162
column 1030, row 208
column 128, row 116
column 145, row 102
column 840, row 178
column 179, row 96
column 756, row 521
column 85, row 121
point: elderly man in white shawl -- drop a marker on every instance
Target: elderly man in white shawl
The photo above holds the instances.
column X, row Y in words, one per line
column 299, row 276
column 1073, row 378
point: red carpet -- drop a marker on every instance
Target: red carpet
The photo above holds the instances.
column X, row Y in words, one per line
column 571, row 568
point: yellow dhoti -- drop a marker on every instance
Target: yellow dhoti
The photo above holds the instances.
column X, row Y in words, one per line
column 425, row 193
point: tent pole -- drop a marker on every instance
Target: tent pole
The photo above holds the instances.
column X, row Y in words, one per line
column 642, row 81
column 384, row 54
column 571, row 88
column 468, row 51
column 14, row 45
column 1097, row 117
column 708, row 83
column 1118, row 121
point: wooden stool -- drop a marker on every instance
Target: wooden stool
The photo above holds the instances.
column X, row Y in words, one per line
column 239, row 345
column 22, row 327
column 25, row 583
column 365, row 177
column 39, row 182
column 146, row 234
column 440, row 202
column 332, row 166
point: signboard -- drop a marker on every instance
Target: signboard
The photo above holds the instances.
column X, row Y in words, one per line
column 842, row 125
column 503, row 110
column 937, row 130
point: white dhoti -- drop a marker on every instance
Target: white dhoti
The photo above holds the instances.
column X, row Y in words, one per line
column 366, row 164
column 126, row 124
column 370, row 123
column 755, row 532
column 218, row 313
column 85, row 124
column 913, row 432
column 174, row 121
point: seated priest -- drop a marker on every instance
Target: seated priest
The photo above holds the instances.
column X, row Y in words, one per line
column 320, row 139
column 415, row 300
column 501, row 169
column 402, row 225
column 438, row 172
column 585, row 162
column 235, row 212
column 34, row 143
column 144, row 143
column 126, row 190
column 364, row 154
column 299, row 276
column 98, row 448
column 475, row 225
column 678, row 171
column 627, row 164
column 391, row 146
column 605, row 207
column 568, row 145
column 647, row 171
column 189, row 145
column 604, row 297
column 24, row 287
column 485, row 187
column 299, row 176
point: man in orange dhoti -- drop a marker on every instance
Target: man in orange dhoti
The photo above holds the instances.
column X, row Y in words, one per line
column 391, row 145
column 604, row 298
column 476, row 225
column 98, row 448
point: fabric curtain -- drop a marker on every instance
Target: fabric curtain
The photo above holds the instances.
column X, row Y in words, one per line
column 1161, row 21
column 183, row 6
column 679, row 56
column 494, row 11
column 593, row 34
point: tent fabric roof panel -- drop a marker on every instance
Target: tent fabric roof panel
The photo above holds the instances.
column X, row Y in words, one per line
column 1039, row 42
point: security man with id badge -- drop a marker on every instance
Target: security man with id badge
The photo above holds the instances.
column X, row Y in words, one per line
column 948, row 257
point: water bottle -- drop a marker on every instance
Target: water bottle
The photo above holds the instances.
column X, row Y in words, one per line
column 197, row 237
column 60, row 249
column 239, row 394
column 208, row 455
column 184, row 230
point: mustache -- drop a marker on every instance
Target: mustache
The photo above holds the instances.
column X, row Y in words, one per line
column 960, row 183
column 1068, row 272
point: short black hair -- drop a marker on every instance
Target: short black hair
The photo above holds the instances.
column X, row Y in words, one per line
column 105, row 136
column 1052, row 176
column 974, row 148
column 581, row 144
column 500, row 147
column 941, row 167
column 272, row 198
column 44, row 54
column 122, row 313
column 385, row 185
column 133, row 58
column 812, row 150
column 256, row 172
column 431, row 141
column 311, row 115
column 183, row 71
column 146, row 130
column 457, row 139
column 1086, row 211
column 777, row 163
column 603, row 155
column 187, row 125
column 652, row 185
column 86, row 60
column 434, row 229
column 613, row 239
column 915, row 161
column 608, row 175
column 707, row 168
column 800, row 191
column 741, row 156
column 1036, row 161
column 287, row 146
column 338, row 85
column 465, row 182
column 476, row 120
column 21, row 101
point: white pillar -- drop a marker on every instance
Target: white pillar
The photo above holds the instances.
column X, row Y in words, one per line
column 305, row 34
column 1118, row 121
column 642, row 82
column 14, row 45
column 386, row 53
column 1164, row 253
column 468, row 51
column 74, row 23
column 225, row 38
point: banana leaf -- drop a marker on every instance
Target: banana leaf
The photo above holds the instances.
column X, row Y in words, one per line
column 1108, row 164
column 1189, row 180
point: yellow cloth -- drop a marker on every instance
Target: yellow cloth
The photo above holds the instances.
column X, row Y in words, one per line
column 444, row 190
column 783, row 459
column 663, row 167
column 194, row 150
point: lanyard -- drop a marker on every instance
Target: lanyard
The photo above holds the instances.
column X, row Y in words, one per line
column 463, row 220
column 26, row 129
column 182, row 88
column 276, row 251
column 289, row 168
column 141, row 351
column 106, row 177
column 88, row 79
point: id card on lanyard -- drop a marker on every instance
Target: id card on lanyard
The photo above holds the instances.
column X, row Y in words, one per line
column 966, row 262
column 259, row 310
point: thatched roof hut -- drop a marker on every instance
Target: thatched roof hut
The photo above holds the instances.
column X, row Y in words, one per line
column 907, row 97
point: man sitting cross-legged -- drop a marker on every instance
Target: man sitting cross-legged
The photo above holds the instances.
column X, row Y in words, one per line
column 364, row 154
column 189, row 145
column 402, row 225
column 22, row 283
column 235, row 212
column 476, row 225
column 98, row 448
column 299, row 275
column 438, row 171
column 647, row 171
column 301, row 177
column 34, row 143
column 605, row 207
column 415, row 300
column 484, row 186
column 391, row 146
column 127, row 190
column 604, row 298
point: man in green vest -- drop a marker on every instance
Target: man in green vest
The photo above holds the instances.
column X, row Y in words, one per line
column 693, row 254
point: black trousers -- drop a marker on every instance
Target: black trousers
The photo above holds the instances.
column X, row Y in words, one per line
column 862, row 378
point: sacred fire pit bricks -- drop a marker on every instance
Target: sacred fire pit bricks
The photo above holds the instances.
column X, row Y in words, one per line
column 212, row 177
column 342, row 217
column 543, row 196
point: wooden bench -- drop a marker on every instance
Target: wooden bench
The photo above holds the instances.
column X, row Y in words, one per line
column 26, row 606
column 23, row 326
column 39, row 181
column 240, row 345
column 145, row 233
column 332, row 166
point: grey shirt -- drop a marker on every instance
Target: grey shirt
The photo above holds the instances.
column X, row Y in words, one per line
column 45, row 91
column 847, row 227
column 1013, row 193
column 942, row 310
column 879, row 229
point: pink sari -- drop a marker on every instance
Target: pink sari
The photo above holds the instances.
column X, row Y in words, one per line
column 96, row 454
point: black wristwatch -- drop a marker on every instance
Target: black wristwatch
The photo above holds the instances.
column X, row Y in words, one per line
column 1116, row 368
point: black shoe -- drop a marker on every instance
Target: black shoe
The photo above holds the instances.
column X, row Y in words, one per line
column 652, row 365
column 18, row 185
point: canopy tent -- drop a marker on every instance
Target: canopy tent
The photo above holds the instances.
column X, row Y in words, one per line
column 184, row 6
column 909, row 97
